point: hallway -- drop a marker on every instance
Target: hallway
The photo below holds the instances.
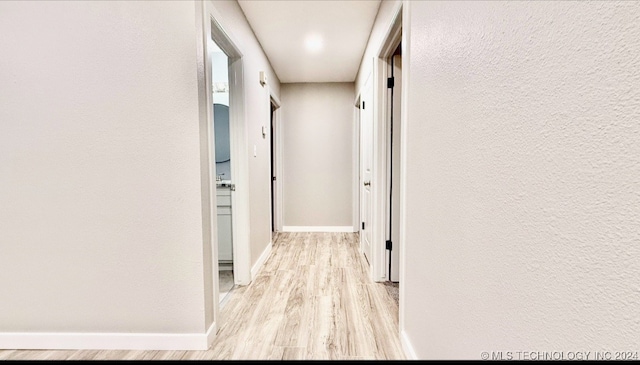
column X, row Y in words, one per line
column 312, row 300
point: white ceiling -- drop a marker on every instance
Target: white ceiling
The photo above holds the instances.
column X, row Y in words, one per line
column 282, row 27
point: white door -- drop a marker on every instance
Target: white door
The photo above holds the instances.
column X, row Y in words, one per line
column 397, row 128
column 366, row 165
column 273, row 167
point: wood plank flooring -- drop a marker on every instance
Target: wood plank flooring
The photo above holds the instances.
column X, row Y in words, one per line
column 312, row 300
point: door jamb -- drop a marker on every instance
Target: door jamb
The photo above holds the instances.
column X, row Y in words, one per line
column 277, row 142
column 392, row 38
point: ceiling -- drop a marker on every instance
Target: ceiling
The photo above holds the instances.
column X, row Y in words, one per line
column 340, row 29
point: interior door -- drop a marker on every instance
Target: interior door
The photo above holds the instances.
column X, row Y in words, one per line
column 273, row 169
column 366, row 165
column 394, row 274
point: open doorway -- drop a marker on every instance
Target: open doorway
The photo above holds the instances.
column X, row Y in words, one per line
column 223, row 170
column 225, row 157
column 275, row 148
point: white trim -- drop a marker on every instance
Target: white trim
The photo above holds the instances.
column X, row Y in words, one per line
column 241, row 224
column 379, row 256
column 406, row 37
column 349, row 229
column 261, row 260
column 276, row 99
column 277, row 141
column 407, row 347
column 279, row 167
column 211, row 334
column 240, row 200
column 210, row 245
column 214, row 30
column 379, row 175
column 355, row 193
column 108, row 341
column 386, row 46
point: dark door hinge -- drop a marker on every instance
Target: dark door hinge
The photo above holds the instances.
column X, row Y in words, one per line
column 363, row 226
column 389, row 245
column 390, row 82
column 363, row 105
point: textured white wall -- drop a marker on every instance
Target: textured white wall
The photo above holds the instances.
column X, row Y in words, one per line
column 100, row 202
column 317, row 122
column 523, row 177
column 257, row 115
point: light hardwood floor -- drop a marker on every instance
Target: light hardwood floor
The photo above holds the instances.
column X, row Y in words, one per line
column 312, row 300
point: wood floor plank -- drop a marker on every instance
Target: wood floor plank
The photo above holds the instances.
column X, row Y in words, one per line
column 26, row 355
column 140, row 355
column 312, row 300
column 111, row 354
column 198, row 355
column 5, row 354
column 289, row 333
column 169, row 355
column 341, row 338
column 388, row 346
column 274, row 306
column 294, row 353
column 319, row 338
column 83, row 355
column 275, row 353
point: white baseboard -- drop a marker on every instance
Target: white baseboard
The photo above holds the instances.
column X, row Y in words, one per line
column 409, row 353
column 318, row 229
column 108, row 341
column 261, row 260
column 211, row 334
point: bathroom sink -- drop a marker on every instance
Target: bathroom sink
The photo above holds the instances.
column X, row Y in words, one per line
column 223, row 183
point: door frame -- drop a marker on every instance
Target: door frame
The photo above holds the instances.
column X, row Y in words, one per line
column 398, row 31
column 391, row 39
column 385, row 62
column 277, row 143
column 213, row 31
column 393, row 175
column 356, row 167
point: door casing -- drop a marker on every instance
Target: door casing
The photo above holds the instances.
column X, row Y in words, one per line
column 393, row 169
column 276, row 159
column 213, row 31
column 391, row 40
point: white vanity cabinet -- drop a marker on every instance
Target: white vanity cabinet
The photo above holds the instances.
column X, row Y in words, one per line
column 225, row 237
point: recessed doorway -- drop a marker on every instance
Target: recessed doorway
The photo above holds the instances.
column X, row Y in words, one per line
column 275, row 149
column 223, row 171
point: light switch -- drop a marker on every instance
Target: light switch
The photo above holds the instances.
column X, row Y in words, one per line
column 263, row 78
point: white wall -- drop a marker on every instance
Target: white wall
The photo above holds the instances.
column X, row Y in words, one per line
column 317, row 122
column 100, row 200
column 523, row 176
column 257, row 115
